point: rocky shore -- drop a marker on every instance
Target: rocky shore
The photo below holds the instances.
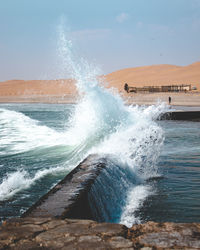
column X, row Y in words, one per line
column 51, row 233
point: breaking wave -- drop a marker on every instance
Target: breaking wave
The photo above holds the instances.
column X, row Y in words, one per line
column 101, row 123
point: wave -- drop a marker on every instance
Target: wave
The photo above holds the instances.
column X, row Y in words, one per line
column 101, row 123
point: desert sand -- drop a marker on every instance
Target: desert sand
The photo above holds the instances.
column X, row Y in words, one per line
column 64, row 91
column 156, row 75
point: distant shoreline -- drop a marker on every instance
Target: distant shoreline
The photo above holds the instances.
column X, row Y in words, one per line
column 178, row 99
column 64, row 90
column 38, row 99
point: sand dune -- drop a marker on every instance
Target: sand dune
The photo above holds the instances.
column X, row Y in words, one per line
column 37, row 87
column 138, row 77
column 156, row 75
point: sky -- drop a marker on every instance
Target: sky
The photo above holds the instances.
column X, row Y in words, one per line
column 113, row 34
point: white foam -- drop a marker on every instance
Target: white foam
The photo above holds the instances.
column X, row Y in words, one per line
column 21, row 180
column 137, row 142
column 19, row 133
column 135, row 200
column 13, row 183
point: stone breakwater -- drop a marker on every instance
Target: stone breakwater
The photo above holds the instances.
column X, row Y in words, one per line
column 62, row 219
column 182, row 115
column 69, row 198
column 51, row 233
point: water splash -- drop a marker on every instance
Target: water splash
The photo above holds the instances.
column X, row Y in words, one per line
column 133, row 150
column 130, row 135
column 101, row 123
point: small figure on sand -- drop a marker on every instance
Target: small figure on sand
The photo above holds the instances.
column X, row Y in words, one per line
column 170, row 99
column 126, row 88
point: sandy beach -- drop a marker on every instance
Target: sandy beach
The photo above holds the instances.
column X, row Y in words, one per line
column 178, row 99
column 64, row 91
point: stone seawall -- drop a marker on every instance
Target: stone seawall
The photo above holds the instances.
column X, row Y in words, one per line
column 49, row 233
column 68, row 199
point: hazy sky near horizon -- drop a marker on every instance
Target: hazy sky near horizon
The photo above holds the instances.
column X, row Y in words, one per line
column 113, row 34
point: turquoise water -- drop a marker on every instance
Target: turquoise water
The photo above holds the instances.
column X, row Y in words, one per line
column 36, row 151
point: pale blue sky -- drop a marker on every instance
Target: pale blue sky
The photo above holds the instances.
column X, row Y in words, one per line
column 114, row 34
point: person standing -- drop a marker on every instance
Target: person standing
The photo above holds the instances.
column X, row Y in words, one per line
column 126, row 88
column 170, row 100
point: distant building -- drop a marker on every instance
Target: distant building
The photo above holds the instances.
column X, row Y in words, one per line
column 164, row 88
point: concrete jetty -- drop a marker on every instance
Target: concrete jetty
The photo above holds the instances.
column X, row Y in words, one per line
column 68, row 199
column 183, row 115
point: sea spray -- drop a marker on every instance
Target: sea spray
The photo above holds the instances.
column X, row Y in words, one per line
column 133, row 151
column 100, row 123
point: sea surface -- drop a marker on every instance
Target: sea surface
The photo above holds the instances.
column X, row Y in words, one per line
column 154, row 171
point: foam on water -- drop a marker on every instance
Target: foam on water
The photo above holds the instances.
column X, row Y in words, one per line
column 12, row 184
column 20, row 180
column 101, row 123
column 19, row 133
column 135, row 199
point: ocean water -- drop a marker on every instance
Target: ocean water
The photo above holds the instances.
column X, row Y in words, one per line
column 177, row 194
column 153, row 166
column 35, row 154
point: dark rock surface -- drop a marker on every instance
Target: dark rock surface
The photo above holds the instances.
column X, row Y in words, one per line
column 181, row 115
column 52, row 233
column 69, row 198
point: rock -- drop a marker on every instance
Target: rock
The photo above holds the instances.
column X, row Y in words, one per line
column 120, row 242
column 89, row 238
column 51, row 233
column 53, row 223
column 83, row 222
column 32, row 220
column 169, row 240
column 166, row 235
column 88, row 245
column 27, row 245
column 72, row 229
column 109, row 229
column 56, row 243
